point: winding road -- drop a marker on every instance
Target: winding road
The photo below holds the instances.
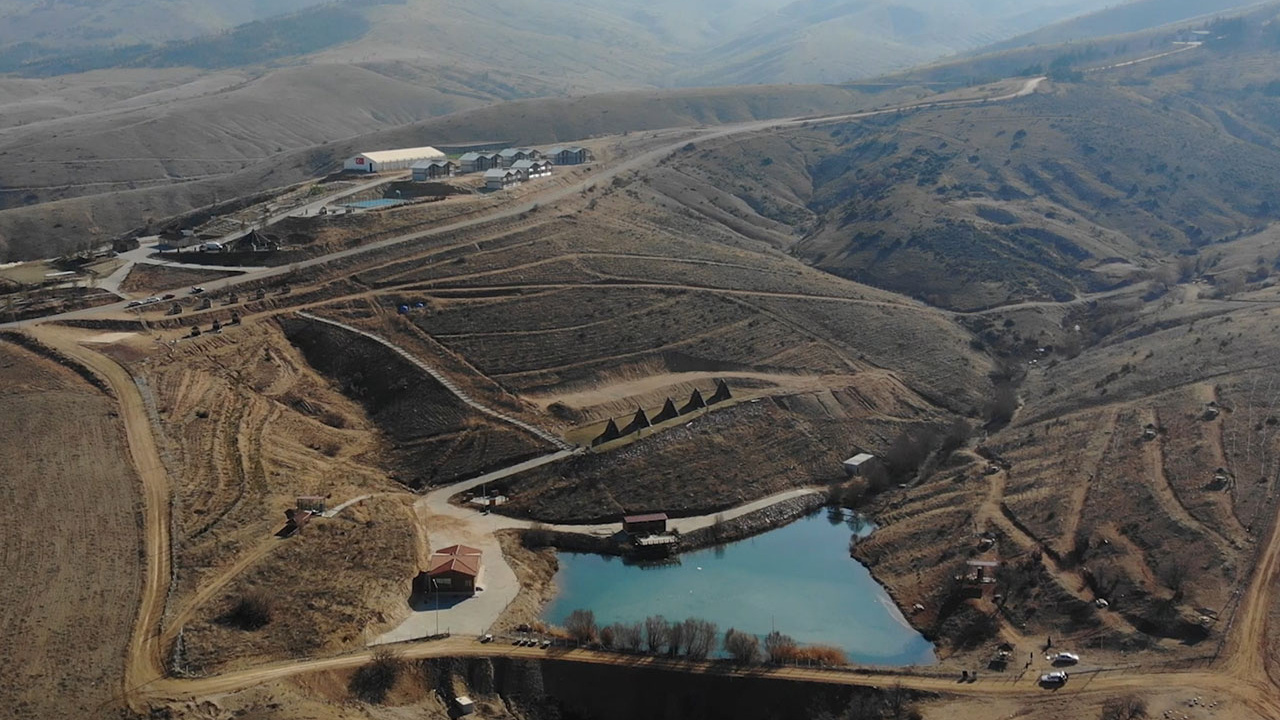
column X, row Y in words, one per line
column 1244, row 673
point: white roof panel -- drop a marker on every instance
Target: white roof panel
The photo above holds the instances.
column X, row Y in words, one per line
column 383, row 156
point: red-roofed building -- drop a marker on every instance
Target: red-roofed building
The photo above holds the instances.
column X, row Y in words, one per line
column 645, row 524
column 463, row 550
column 454, row 569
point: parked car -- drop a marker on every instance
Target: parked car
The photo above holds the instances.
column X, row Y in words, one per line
column 168, row 296
column 197, row 290
column 486, row 638
column 1066, row 658
column 1054, row 679
column 133, row 304
column 151, row 300
column 546, row 643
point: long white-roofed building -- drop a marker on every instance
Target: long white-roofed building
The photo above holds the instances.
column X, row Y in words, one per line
column 391, row 160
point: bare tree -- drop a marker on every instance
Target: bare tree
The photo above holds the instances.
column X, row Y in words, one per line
column 657, row 632
column 581, row 625
column 699, row 638
column 742, row 647
column 779, row 647
column 607, row 636
column 676, row 641
column 628, row 636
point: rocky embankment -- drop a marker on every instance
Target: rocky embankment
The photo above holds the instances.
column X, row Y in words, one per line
column 753, row 523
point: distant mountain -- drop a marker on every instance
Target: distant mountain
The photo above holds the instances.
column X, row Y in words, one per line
column 837, row 40
column 1126, row 18
column 619, row 42
column 69, row 24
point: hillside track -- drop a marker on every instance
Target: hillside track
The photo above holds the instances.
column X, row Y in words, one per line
column 446, row 382
column 528, row 205
column 144, row 663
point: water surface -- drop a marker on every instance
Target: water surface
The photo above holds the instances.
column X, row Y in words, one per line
column 798, row 579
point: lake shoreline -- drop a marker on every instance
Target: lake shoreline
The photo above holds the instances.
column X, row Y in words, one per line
column 798, row 578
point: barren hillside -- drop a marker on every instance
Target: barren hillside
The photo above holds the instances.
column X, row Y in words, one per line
column 1032, row 201
column 70, row 572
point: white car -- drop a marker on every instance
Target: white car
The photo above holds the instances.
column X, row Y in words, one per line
column 1055, row 678
column 151, row 300
column 1066, row 658
column 486, row 638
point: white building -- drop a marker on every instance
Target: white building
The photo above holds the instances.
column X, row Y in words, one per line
column 571, row 155
column 479, row 162
column 432, row 169
column 511, row 156
column 532, row 168
column 858, row 464
column 391, row 160
column 500, row 178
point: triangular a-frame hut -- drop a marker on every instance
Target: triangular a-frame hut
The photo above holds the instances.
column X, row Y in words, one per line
column 695, row 403
column 638, row 423
column 668, row 412
column 722, row 393
column 611, row 432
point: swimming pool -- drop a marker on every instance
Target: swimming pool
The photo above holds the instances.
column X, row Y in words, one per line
column 371, row 204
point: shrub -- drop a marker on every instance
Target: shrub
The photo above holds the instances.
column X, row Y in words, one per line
column 742, row 647
column 251, row 612
column 779, row 647
column 373, row 681
column 537, row 536
column 821, row 655
column 1129, row 707
column 1002, row 405
column 581, row 625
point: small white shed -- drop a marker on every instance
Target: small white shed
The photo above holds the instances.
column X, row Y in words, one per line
column 466, row 705
column 858, row 464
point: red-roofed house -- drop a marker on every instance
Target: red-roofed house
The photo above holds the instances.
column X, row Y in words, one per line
column 643, row 524
column 453, row 569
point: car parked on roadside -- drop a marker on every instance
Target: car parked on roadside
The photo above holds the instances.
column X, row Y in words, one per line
column 133, row 304
column 1057, row 678
column 1065, row 658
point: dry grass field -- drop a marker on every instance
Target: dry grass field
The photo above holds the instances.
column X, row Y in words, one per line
column 71, row 562
column 249, row 427
column 144, row 278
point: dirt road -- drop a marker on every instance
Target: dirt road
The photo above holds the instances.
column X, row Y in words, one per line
column 144, row 663
column 601, row 177
column 1244, row 674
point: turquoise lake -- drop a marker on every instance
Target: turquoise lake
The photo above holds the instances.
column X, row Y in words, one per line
column 798, row 578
